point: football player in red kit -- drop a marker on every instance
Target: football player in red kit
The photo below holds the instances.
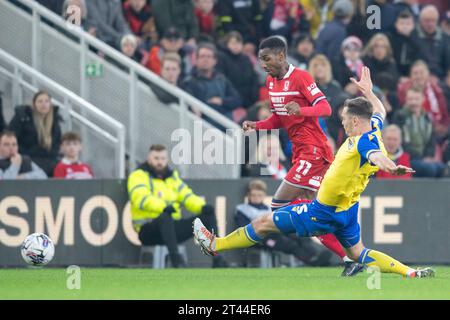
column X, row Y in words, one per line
column 296, row 103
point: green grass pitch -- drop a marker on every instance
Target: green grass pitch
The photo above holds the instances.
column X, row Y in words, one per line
column 271, row 284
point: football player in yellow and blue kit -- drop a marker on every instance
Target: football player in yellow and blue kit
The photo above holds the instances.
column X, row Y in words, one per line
column 335, row 209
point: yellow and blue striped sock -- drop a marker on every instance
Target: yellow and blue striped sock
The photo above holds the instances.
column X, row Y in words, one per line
column 384, row 262
column 243, row 237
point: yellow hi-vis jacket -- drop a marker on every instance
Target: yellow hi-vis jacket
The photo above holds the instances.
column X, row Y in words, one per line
column 149, row 195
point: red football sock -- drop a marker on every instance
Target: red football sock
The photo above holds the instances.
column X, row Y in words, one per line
column 331, row 242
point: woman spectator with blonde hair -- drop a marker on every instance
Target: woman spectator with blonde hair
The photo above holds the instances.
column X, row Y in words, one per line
column 38, row 131
column 321, row 71
column 378, row 57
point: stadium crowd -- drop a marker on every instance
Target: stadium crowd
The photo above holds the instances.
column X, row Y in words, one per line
column 209, row 49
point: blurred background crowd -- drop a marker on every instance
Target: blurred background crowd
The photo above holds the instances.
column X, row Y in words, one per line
column 209, row 49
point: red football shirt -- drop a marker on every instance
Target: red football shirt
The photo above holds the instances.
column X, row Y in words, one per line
column 298, row 86
column 68, row 170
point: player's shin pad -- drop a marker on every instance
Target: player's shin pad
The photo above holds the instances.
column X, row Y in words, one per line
column 243, row 237
column 383, row 261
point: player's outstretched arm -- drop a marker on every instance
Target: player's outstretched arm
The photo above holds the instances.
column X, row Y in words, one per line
column 365, row 86
column 386, row 164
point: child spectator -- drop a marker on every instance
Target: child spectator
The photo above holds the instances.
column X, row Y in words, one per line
column 38, row 131
column 13, row 165
column 139, row 16
column 205, row 16
column 70, row 167
column 392, row 138
column 349, row 64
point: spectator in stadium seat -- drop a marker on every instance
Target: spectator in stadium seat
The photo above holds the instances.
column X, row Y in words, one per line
column 392, row 138
column 170, row 71
column 388, row 13
column 303, row 51
column 413, row 6
column 108, row 19
column 13, row 165
column 178, row 14
column 317, row 13
column 250, row 51
column 204, row 11
column 418, row 137
column 435, row 103
column 210, row 86
column 377, row 55
column 404, row 42
column 236, row 66
column 157, row 194
column 38, row 131
column 129, row 47
column 333, row 33
column 170, row 42
column 387, row 92
column 284, row 18
column 141, row 21
column 358, row 25
column 435, row 44
column 320, row 70
column 244, row 17
column 85, row 24
column 70, row 166
column 349, row 64
column 302, row 248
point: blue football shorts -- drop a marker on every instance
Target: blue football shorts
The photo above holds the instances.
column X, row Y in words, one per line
column 315, row 219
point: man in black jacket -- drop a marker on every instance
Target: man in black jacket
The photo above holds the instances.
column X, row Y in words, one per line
column 434, row 43
column 210, row 86
column 237, row 67
column 404, row 42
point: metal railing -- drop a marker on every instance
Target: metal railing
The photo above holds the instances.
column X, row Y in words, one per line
column 103, row 137
column 62, row 51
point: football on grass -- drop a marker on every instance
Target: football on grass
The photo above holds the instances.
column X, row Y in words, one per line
column 37, row 249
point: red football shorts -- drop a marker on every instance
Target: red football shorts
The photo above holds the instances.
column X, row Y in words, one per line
column 308, row 168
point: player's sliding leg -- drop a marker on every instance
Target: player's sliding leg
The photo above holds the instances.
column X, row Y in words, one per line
column 330, row 241
column 385, row 263
column 242, row 237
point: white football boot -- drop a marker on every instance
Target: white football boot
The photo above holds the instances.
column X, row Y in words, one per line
column 205, row 239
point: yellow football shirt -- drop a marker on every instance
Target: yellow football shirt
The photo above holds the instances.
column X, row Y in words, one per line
column 350, row 171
